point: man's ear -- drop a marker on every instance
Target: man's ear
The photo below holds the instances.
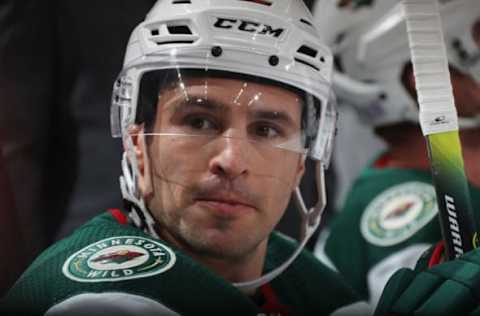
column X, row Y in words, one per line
column 144, row 179
column 300, row 171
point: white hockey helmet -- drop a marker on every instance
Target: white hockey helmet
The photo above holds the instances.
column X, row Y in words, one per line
column 272, row 40
column 370, row 39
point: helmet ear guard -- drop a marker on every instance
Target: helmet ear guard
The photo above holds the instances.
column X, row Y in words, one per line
column 277, row 42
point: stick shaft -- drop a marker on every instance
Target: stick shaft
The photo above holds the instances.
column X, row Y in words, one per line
column 457, row 221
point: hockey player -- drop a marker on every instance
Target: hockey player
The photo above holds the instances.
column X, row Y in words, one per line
column 218, row 105
column 389, row 216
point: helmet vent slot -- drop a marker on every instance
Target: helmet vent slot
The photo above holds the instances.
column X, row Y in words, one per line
column 307, row 50
column 179, row 29
column 174, row 42
column 306, row 22
column 262, row 2
column 181, row 2
column 306, row 63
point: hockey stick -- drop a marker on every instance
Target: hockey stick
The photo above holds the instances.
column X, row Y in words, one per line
column 439, row 122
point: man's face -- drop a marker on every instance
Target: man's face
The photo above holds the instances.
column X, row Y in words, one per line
column 217, row 179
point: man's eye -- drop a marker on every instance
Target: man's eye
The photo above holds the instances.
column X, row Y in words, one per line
column 266, row 131
column 201, row 123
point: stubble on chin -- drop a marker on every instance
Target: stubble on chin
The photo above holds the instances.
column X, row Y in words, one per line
column 206, row 235
column 217, row 241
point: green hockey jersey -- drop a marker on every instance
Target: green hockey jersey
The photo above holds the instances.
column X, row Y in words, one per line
column 388, row 220
column 110, row 267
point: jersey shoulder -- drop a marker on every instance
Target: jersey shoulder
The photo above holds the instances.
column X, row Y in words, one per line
column 105, row 260
column 79, row 263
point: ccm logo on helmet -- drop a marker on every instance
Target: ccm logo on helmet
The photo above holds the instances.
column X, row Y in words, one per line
column 248, row 26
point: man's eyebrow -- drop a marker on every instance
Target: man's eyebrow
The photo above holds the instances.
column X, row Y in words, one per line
column 193, row 102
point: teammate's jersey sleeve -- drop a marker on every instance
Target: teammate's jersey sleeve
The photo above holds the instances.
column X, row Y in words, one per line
column 389, row 219
column 386, row 211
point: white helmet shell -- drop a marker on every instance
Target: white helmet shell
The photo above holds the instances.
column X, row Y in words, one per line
column 372, row 46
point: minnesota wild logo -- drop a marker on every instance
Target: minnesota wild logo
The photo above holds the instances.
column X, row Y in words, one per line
column 398, row 213
column 119, row 258
column 354, row 4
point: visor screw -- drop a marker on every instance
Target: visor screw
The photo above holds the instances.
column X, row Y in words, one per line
column 456, row 43
column 382, row 96
column 217, row 51
column 322, row 59
column 273, row 60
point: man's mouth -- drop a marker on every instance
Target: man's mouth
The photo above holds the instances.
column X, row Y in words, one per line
column 226, row 204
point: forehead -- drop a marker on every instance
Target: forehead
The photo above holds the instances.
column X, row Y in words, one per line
column 248, row 92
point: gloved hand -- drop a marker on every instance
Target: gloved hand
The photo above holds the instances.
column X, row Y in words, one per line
column 448, row 289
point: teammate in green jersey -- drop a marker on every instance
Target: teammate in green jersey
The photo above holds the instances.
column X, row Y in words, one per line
column 218, row 105
column 389, row 216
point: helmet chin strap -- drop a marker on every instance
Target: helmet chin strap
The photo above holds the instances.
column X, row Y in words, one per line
column 138, row 211
column 310, row 221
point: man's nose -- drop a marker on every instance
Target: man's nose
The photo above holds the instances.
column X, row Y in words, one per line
column 229, row 159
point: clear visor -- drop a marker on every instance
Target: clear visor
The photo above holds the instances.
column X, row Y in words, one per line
column 201, row 107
